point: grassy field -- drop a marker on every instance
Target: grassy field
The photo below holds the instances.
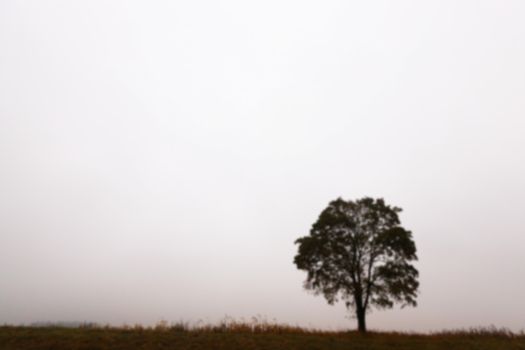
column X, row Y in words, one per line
column 245, row 336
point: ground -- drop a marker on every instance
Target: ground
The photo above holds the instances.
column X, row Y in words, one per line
column 57, row 338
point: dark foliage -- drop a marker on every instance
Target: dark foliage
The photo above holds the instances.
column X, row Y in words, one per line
column 358, row 252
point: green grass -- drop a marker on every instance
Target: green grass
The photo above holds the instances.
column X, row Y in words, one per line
column 245, row 336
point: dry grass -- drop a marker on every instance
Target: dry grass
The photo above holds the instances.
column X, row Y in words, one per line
column 256, row 334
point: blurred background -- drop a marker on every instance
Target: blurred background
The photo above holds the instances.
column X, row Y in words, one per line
column 158, row 159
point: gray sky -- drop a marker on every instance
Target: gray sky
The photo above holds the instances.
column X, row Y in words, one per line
column 159, row 158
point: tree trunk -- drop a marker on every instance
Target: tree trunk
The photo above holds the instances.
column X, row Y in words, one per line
column 361, row 323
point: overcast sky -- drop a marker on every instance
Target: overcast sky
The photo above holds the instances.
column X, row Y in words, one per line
column 159, row 158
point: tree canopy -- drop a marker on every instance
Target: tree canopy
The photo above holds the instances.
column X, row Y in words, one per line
column 358, row 252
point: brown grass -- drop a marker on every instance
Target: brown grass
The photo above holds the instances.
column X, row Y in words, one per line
column 257, row 334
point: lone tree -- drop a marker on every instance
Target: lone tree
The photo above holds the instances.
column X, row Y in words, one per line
column 358, row 252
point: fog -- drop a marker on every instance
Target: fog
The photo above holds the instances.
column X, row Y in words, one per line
column 158, row 159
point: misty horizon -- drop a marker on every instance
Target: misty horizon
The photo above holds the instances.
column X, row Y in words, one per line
column 158, row 160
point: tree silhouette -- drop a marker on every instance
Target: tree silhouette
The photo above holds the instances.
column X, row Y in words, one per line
column 358, row 252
